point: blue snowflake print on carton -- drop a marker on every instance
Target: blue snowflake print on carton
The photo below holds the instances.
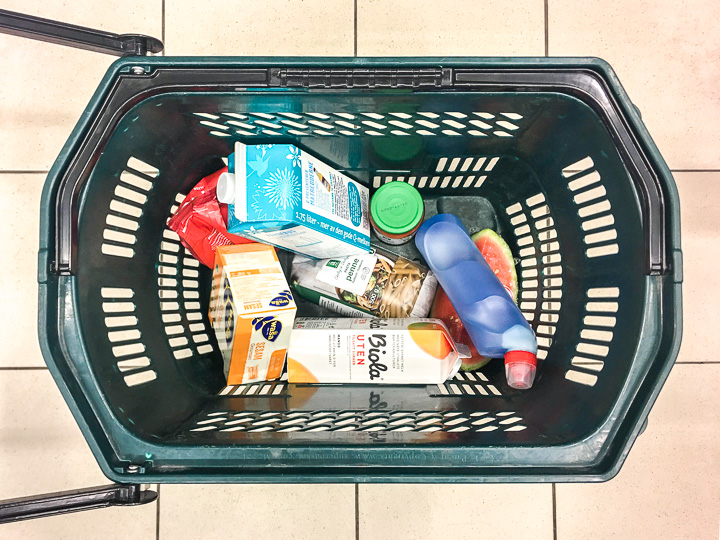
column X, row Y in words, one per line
column 290, row 199
column 281, row 189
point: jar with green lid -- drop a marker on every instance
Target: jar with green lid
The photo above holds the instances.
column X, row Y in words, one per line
column 396, row 212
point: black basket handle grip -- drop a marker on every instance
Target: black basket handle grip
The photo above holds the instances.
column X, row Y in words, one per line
column 28, row 26
column 76, row 500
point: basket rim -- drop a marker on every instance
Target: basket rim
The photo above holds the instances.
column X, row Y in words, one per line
column 104, row 441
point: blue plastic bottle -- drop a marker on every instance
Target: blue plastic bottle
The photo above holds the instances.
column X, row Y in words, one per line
column 491, row 318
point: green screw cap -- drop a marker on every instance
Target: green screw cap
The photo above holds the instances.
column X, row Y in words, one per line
column 397, row 208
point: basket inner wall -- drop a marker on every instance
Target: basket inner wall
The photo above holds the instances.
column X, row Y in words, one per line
column 541, row 169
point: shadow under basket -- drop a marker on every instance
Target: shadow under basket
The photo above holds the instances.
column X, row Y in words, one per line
column 550, row 153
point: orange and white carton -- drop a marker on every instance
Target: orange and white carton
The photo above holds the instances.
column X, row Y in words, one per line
column 252, row 312
column 372, row 351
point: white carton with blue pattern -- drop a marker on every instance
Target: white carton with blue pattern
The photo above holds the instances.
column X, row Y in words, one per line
column 289, row 199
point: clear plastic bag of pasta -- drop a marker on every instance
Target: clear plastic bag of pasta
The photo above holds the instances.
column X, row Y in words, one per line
column 378, row 283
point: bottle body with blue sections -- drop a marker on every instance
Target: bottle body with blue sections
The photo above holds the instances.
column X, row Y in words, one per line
column 493, row 321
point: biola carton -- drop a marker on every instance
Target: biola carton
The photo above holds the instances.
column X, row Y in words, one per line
column 251, row 312
column 287, row 198
column 372, row 351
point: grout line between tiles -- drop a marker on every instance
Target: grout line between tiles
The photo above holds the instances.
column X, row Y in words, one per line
column 162, row 30
column 357, row 512
column 691, row 363
column 554, row 511
column 695, row 170
column 33, row 368
column 547, row 31
column 157, row 515
column 23, row 172
column 355, row 29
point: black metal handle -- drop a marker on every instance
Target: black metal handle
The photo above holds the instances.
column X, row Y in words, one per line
column 18, row 24
column 76, row 500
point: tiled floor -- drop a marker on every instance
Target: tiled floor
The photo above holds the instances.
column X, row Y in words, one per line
column 666, row 53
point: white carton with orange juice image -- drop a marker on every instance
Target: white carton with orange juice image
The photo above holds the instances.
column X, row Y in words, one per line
column 252, row 312
column 372, row 351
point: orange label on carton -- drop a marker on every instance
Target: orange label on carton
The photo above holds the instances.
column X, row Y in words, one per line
column 252, row 312
column 371, row 351
column 277, row 362
column 255, row 271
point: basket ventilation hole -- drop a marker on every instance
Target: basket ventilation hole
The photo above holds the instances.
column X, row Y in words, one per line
column 118, row 307
column 140, row 166
column 211, row 116
column 117, row 322
column 133, row 364
column 171, row 235
column 214, row 125
column 127, row 350
column 579, row 377
column 123, row 335
column 182, row 354
column 171, row 317
column 116, row 292
column 122, row 223
column 141, row 377
column 579, row 166
column 117, row 251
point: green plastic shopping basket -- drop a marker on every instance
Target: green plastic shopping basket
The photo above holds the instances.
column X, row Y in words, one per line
column 549, row 152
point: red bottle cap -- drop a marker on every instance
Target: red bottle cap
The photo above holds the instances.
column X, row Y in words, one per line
column 520, row 369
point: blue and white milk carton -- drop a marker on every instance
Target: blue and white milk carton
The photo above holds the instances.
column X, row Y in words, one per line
column 287, row 198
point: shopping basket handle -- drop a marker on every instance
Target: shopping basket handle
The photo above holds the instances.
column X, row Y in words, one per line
column 28, row 26
column 76, row 500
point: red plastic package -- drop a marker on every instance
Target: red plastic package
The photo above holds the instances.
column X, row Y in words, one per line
column 200, row 221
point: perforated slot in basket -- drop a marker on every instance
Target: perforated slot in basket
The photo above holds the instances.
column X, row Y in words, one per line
column 124, row 334
column 314, row 124
column 540, row 271
column 466, row 384
column 178, row 280
column 467, row 172
column 126, row 207
column 360, row 420
column 594, row 207
column 596, row 335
